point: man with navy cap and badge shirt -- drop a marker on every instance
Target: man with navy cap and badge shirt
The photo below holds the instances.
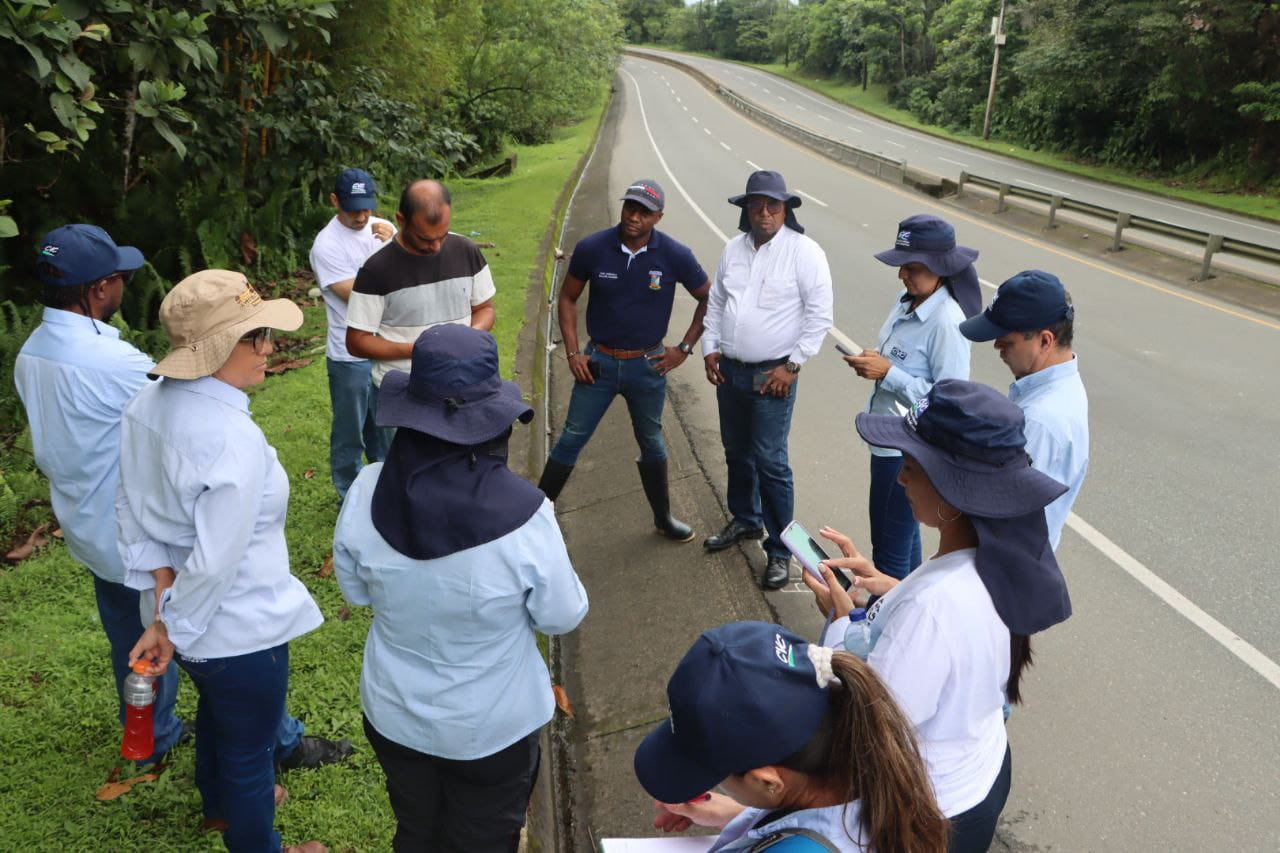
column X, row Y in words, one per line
column 337, row 254
column 768, row 312
column 633, row 269
column 1031, row 319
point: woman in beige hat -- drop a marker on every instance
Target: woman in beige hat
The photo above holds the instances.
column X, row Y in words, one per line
column 201, row 510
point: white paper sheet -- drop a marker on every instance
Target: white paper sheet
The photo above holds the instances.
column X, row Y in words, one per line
column 657, row 845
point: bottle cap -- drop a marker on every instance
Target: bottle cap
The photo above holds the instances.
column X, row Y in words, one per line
column 142, row 666
column 857, row 614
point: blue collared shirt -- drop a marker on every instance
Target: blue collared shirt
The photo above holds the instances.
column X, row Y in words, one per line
column 451, row 664
column 632, row 292
column 922, row 346
column 1057, row 412
column 841, row 825
column 74, row 376
column 202, row 492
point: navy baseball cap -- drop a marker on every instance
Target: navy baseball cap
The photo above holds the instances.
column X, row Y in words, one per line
column 646, row 192
column 746, row 695
column 356, row 190
column 80, row 254
column 1030, row 301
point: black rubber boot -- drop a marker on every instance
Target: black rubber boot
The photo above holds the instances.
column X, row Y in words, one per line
column 653, row 475
column 553, row 478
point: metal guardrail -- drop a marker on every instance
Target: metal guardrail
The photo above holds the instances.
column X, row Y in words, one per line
column 848, row 155
column 1213, row 243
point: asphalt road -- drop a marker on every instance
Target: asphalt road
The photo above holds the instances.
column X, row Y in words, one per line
column 947, row 159
column 1142, row 731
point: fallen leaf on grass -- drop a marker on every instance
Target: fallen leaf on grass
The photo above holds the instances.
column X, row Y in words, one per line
column 288, row 364
column 327, row 569
column 309, row 473
column 344, row 614
column 37, row 539
column 57, row 534
column 111, row 790
column 562, row 700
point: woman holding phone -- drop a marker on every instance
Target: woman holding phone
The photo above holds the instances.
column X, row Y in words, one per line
column 952, row 640
column 919, row 344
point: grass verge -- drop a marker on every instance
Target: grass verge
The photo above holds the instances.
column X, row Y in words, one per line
column 57, row 703
column 1197, row 189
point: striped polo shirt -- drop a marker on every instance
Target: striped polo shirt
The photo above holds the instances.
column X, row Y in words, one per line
column 398, row 295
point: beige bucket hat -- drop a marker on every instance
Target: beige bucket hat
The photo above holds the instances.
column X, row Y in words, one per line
column 207, row 313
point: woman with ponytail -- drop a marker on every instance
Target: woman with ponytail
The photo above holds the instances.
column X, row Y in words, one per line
column 810, row 749
column 952, row 640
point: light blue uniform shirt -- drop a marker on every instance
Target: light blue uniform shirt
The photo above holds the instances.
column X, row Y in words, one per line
column 202, row 492
column 75, row 376
column 1057, row 413
column 451, row 664
column 922, row 347
column 838, row 824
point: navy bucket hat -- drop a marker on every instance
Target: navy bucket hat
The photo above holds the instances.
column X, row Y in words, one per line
column 452, row 390
column 80, row 254
column 969, row 440
column 770, row 185
column 1030, row 301
column 746, row 695
column 930, row 241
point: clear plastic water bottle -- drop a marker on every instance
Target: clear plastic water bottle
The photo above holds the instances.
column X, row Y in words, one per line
column 857, row 637
column 139, row 700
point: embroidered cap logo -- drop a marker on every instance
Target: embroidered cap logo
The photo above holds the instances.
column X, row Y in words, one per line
column 914, row 413
column 49, row 250
column 904, row 239
column 248, row 298
column 357, row 189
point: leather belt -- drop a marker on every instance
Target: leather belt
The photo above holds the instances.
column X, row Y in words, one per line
column 754, row 365
column 624, row 354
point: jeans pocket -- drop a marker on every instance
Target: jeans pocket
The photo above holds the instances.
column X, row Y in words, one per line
column 201, row 668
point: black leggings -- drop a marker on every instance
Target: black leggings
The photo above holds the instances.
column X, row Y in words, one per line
column 972, row 831
column 447, row 806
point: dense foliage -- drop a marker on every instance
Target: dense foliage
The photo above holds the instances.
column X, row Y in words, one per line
column 207, row 133
column 1160, row 85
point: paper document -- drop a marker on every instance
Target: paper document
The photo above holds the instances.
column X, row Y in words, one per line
column 657, row 845
column 843, row 340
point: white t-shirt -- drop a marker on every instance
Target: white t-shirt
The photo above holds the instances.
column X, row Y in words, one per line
column 944, row 652
column 337, row 255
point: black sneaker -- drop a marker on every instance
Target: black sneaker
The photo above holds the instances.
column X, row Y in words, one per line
column 314, row 752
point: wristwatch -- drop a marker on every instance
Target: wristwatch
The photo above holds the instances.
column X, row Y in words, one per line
column 792, row 367
column 685, row 347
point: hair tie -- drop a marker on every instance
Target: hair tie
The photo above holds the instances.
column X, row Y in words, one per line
column 820, row 657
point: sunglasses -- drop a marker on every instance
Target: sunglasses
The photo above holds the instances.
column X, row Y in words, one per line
column 259, row 338
column 772, row 206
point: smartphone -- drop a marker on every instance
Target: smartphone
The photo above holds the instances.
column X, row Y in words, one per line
column 844, row 343
column 807, row 550
column 593, row 367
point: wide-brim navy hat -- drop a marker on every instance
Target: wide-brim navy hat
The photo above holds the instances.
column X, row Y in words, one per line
column 745, row 695
column 930, row 241
column 80, row 254
column 768, row 184
column 969, row 439
column 453, row 390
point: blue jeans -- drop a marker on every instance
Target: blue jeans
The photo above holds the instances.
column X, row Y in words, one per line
column 121, row 617
column 354, row 433
column 645, row 391
column 895, row 533
column 237, row 717
column 753, row 429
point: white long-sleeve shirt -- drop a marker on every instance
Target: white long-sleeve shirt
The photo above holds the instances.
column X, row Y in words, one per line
column 769, row 303
column 202, row 491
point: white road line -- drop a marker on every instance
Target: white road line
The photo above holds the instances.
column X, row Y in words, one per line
column 678, row 101
column 981, row 281
column 725, row 147
column 854, row 129
column 780, row 98
column 674, row 181
column 953, row 162
column 766, row 91
column 753, row 83
column 891, row 142
column 707, row 131
column 813, row 199
column 824, row 118
column 799, row 107
column 1046, row 189
column 695, row 118
column 685, row 108
column 754, row 166
column 1229, row 640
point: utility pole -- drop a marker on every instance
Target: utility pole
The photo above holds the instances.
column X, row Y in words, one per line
column 997, row 31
